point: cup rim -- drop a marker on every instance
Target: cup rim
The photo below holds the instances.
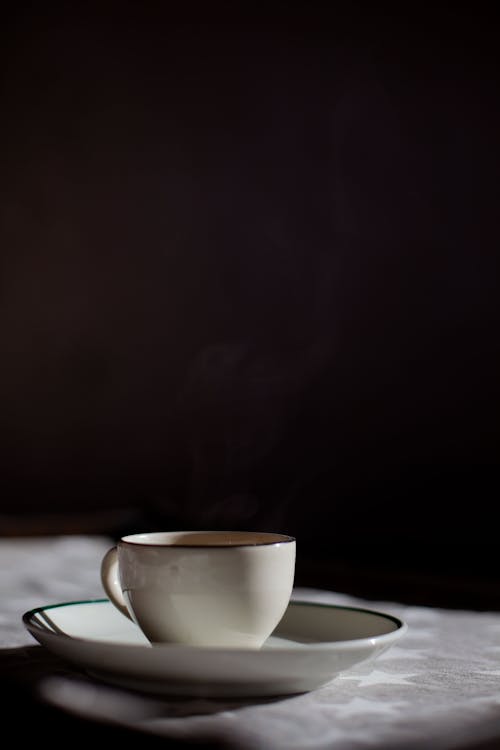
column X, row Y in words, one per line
column 265, row 538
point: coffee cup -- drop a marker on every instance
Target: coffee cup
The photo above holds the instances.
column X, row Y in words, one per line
column 226, row 589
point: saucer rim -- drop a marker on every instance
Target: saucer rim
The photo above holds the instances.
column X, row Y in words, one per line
column 400, row 629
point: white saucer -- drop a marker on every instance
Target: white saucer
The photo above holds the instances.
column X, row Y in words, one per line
column 312, row 644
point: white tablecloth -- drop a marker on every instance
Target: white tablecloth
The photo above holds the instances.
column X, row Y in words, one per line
column 438, row 687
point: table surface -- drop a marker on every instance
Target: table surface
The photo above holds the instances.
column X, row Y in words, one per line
column 437, row 687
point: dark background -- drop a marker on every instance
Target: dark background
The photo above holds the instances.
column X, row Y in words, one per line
column 249, row 278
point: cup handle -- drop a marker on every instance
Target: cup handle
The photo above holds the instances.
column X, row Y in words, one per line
column 111, row 581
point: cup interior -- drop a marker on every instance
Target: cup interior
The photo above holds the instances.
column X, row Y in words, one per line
column 206, row 538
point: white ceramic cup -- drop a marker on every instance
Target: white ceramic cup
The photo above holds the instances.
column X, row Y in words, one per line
column 225, row 589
